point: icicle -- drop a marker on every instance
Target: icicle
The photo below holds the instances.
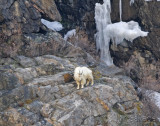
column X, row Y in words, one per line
column 120, row 9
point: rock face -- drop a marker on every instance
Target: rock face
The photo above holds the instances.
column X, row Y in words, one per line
column 23, row 16
column 19, row 17
column 40, row 96
column 78, row 13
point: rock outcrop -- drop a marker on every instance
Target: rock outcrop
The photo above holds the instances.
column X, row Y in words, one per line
column 23, row 16
column 78, row 13
column 33, row 91
column 20, row 17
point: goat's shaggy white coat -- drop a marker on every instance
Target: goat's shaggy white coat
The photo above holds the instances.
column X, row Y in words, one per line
column 82, row 76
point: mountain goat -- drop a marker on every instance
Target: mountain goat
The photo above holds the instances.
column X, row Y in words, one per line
column 82, row 76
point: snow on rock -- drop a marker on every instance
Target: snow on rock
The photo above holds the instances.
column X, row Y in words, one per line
column 70, row 34
column 154, row 96
column 131, row 2
column 55, row 26
column 124, row 30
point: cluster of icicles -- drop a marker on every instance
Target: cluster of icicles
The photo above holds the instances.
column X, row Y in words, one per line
column 117, row 32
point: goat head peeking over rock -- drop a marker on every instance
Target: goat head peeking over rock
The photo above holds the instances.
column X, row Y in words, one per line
column 82, row 76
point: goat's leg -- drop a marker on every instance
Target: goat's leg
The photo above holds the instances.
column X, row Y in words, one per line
column 82, row 85
column 78, row 84
column 83, row 82
column 87, row 82
column 92, row 81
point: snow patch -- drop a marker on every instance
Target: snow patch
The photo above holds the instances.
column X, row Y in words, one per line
column 70, row 34
column 55, row 26
column 154, row 96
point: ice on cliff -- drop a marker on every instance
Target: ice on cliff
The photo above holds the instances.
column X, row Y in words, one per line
column 117, row 32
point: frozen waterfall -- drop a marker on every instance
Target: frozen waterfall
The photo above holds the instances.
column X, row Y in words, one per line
column 116, row 32
column 102, row 18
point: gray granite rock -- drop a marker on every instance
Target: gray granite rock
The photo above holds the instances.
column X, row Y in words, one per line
column 46, row 99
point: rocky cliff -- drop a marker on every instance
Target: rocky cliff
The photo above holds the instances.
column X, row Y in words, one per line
column 40, row 91
column 139, row 59
column 37, row 86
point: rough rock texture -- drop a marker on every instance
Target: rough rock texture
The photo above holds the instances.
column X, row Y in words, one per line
column 40, row 96
column 81, row 39
column 23, row 16
column 19, row 17
column 78, row 13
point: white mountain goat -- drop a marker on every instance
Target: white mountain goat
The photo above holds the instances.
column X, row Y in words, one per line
column 82, row 76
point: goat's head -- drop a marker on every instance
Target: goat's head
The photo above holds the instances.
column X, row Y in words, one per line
column 80, row 73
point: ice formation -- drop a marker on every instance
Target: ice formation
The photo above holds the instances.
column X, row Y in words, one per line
column 102, row 19
column 120, row 9
column 70, row 34
column 131, row 2
column 55, row 26
column 116, row 32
